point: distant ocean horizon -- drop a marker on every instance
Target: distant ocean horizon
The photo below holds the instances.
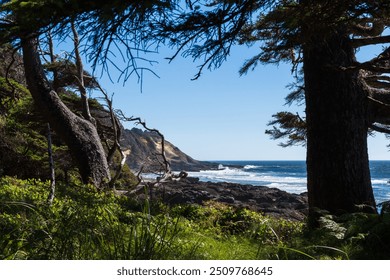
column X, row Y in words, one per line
column 287, row 175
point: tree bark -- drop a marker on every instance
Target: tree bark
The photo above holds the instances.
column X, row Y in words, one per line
column 80, row 135
column 337, row 115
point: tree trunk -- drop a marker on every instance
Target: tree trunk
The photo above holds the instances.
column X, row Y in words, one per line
column 338, row 174
column 80, row 135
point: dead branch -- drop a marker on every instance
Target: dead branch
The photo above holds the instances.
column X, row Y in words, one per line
column 52, row 61
column 380, row 129
column 360, row 42
column 380, row 111
column 166, row 164
column 167, row 175
column 51, row 164
column 369, row 27
column 80, row 76
column 8, row 71
column 117, row 134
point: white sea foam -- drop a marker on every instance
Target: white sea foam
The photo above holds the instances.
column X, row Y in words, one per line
column 251, row 166
column 245, row 176
column 380, row 181
column 292, row 182
column 288, row 188
column 221, row 167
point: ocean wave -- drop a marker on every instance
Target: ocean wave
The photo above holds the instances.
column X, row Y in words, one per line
column 289, row 178
column 221, row 172
column 251, row 166
column 287, row 188
column 380, row 181
column 244, row 176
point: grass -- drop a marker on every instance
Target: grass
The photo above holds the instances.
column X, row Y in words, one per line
column 85, row 224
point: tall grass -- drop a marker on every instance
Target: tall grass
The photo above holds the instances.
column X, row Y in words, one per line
column 85, row 224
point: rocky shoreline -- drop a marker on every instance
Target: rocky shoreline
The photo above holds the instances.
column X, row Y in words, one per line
column 270, row 201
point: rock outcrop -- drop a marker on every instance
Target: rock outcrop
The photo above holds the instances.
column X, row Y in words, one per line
column 144, row 150
column 270, row 201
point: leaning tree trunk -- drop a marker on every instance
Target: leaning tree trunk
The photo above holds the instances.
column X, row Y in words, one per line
column 80, row 135
column 338, row 174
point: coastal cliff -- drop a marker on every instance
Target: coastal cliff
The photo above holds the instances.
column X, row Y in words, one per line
column 144, row 151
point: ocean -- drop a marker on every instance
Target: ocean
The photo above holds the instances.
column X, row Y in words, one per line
column 289, row 176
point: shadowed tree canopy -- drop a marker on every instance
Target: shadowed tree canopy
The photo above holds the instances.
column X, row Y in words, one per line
column 105, row 27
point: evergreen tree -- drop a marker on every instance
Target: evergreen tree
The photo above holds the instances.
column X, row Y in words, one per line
column 22, row 23
column 344, row 98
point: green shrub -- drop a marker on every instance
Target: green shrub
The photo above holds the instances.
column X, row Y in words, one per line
column 82, row 223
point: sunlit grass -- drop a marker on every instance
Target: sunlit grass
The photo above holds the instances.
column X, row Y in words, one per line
column 83, row 223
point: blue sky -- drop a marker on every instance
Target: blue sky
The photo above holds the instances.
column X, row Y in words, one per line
column 220, row 116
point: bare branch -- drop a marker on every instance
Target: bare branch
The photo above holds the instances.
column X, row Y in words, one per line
column 166, row 164
column 369, row 27
column 380, row 128
column 380, row 111
column 117, row 133
column 52, row 60
column 8, row 71
column 51, row 165
column 379, row 64
column 360, row 42
column 378, row 81
column 80, row 76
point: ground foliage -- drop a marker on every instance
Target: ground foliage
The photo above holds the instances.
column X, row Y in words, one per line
column 84, row 223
